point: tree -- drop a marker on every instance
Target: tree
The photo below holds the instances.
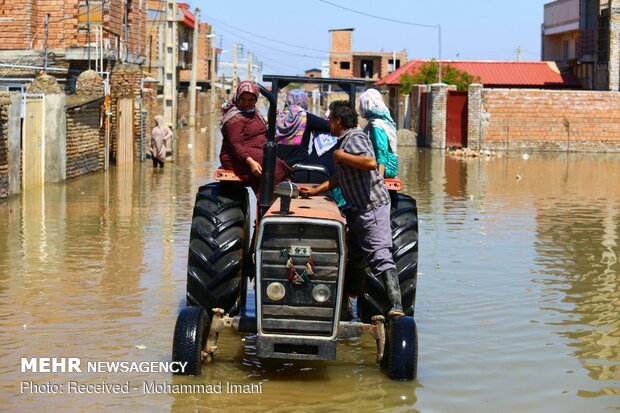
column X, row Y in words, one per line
column 428, row 75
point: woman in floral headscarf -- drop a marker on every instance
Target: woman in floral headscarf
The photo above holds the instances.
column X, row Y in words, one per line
column 295, row 128
column 381, row 130
column 245, row 132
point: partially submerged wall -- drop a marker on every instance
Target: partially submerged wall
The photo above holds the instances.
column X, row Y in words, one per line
column 84, row 135
column 544, row 120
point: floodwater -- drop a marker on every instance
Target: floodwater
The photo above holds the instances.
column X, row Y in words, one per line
column 518, row 303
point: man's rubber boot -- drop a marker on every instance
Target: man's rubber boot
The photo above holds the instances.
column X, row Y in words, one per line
column 390, row 279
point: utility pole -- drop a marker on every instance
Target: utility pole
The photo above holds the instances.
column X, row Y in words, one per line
column 439, row 39
column 234, row 74
column 213, row 70
column 192, row 81
column 126, row 31
column 88, row 29
column 170, row 95
column 519, row 53
column 160, row 51
column 47, row 18
column 250, row 63
column 150, row 52
column 393, row 62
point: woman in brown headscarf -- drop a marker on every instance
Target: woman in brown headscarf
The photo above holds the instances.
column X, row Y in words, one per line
column 245, row 132
column 160, row 136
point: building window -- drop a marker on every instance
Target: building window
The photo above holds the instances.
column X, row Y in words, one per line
column 391, row 66
column 345, row 65
column 153, row 15
column 96, row 13
column 366, row 68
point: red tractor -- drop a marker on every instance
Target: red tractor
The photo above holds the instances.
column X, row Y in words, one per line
column 298, row 262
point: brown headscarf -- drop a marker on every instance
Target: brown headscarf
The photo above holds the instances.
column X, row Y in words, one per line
column 233, row 109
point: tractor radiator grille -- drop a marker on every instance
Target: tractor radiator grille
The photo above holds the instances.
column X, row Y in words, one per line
column 298, row 313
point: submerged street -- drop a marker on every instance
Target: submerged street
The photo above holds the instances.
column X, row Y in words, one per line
column 517, row 300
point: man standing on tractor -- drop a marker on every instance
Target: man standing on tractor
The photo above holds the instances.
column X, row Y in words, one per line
column 367, row 206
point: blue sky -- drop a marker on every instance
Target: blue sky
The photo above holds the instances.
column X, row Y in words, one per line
column 292, row 37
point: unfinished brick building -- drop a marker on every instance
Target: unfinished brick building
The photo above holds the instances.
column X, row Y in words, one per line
column 117, row 32
column 345, row 63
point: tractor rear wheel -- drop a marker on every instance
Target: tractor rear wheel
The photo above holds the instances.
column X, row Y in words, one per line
column 373, row 299
column 216, row 248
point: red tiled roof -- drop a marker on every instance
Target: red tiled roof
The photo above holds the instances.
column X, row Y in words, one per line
column 495, row 73
column 188, row 16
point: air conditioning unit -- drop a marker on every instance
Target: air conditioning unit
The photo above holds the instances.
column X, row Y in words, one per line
column 184, row 46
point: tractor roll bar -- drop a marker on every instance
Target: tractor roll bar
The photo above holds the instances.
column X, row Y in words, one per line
column 270, row 149
column 270, row 152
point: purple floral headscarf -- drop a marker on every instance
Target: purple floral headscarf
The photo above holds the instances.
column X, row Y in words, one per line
column 291, row 123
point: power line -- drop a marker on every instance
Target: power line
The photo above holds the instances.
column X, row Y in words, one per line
column 267, row 38
column 271, row 47
column 434, row 26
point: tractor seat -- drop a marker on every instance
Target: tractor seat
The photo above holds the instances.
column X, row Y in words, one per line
column 227, row 175
column 310, row 174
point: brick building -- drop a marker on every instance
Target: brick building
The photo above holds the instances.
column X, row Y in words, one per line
column 117, row 32
column 583, row 38
column 345, row 63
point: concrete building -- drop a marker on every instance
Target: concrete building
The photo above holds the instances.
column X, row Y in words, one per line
column 346, row 63
column 115, row 29
column 155, row 36
column 583, row 38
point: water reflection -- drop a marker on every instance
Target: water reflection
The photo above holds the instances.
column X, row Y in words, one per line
column 517, row 309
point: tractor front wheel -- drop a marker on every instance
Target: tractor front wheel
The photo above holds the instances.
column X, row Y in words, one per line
column 190, row 333
column 400, row 357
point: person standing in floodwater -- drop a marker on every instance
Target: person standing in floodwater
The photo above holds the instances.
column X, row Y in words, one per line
column 160, row 136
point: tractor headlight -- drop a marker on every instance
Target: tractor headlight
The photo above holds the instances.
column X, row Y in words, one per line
column 275, row 291
column 321, row 293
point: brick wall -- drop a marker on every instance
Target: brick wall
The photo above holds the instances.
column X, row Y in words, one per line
column 84, row 137
column 4, row 144
column 22, row 24
column 437, row 116
column 340, row 51
column 547, row 120
column 154, row 106
column 474, row 116
column 125, row 82
column 15, row 24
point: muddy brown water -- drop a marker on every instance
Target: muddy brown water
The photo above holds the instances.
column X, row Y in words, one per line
column 518, row 295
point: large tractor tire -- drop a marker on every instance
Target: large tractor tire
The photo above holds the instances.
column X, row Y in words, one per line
column 216, row 248
column 373, row 299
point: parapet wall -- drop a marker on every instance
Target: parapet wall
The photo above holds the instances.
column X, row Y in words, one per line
column 544, row 120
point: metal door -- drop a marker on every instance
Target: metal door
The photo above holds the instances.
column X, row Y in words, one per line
column 456, row 125
column 422, row 138
column 33, row 142
column 124, row 148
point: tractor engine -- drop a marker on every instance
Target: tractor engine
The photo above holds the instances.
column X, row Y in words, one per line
column 300, row 258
